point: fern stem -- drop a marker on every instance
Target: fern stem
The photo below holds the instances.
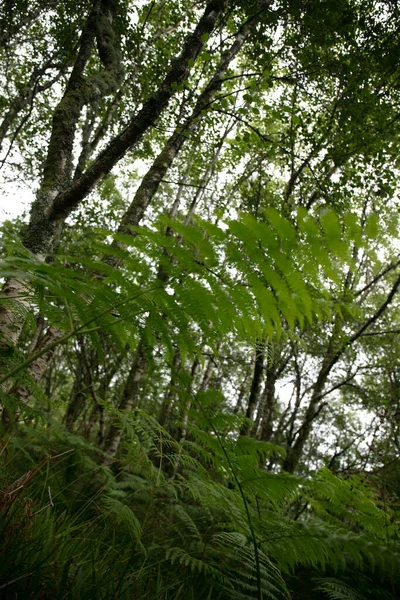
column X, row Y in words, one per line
column 246, row 506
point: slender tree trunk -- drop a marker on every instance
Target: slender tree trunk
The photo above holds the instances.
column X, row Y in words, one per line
column 205, row 381
column 37, row 368
column 128, row 402
column 188, row 401
column 77, row 399
column 154, row 176
column 255, row 431
column 255, row 386
column 98, row 413
column 152, row 108
column 295, row 452
column 242, row 394
column 207, row 375
column 166, row 406
column 182, row 433
column 269, row 408
column 80, row 389
column 297, row 403
column 58, row 164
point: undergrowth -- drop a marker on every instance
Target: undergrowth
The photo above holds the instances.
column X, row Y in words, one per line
column 73, row 528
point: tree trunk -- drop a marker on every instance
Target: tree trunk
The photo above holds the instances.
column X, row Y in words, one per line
column 166, row 405
column 151, row 181
column 58, row 164
column 255, row 386
column 269, row 408
column 242, row 393
column 128, row 401
column 182, row 433
column 13, row 306
column 79, row 393
column 152, row 108
column 98, row 409
column 36, row 370
column 295, row 452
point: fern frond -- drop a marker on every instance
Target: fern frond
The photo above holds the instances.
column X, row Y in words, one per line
column 335, row 589
column 124, row 516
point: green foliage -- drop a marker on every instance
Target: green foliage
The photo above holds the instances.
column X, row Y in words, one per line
column 141, row 534
column 337, row 590
column 257, row 291
column 95, row 296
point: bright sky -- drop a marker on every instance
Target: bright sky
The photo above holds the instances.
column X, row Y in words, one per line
column 14, row 201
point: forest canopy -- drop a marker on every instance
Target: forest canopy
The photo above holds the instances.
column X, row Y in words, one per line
column 199, row 316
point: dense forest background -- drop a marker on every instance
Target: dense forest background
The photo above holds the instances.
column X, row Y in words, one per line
column 199, row 319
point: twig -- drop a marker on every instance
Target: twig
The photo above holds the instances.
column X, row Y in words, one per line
column 44, row 507
column 62, row 454
column 386, row 270
column 202, row 187
column 14, row 580
column 5, row 446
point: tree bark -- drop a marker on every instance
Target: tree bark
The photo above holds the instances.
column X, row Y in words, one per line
column 295, row 452
column 182, row 432
column 36, row 370
column 79, row 392
column 58, row 164
column 80, row 90
column 15, row 303
column 269, row 408
column 166, row 405
column 154, row 176
column 255, row 386
column 152, row 108
column 128, row 401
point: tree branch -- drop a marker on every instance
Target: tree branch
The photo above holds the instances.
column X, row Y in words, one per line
column 66, row 201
